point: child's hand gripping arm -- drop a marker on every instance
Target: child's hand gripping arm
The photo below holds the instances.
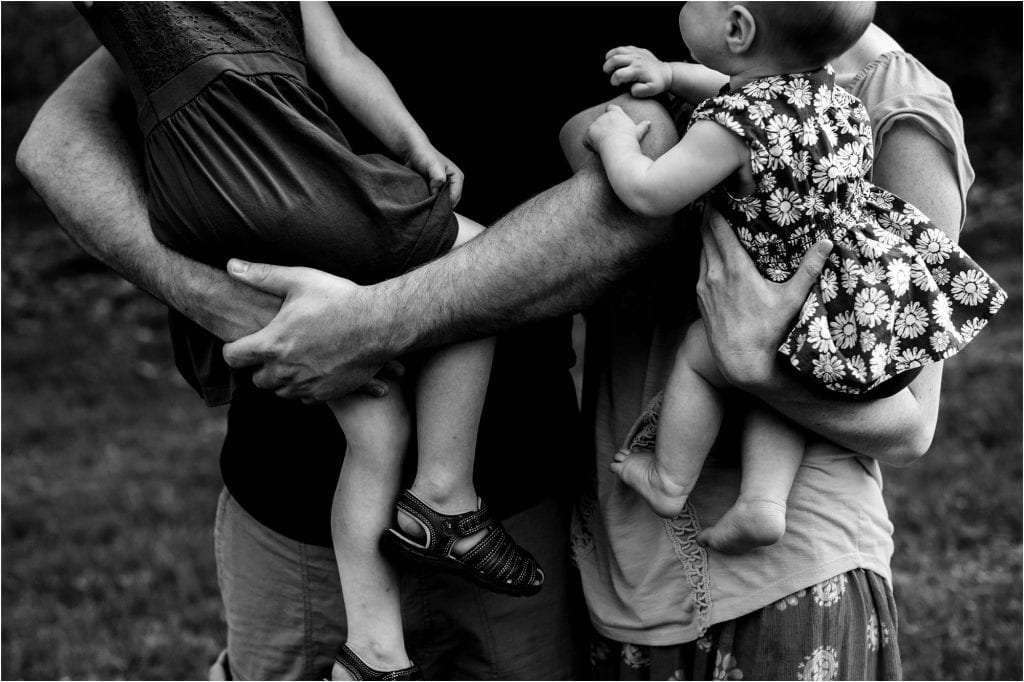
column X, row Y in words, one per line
column 706, row 155
column 363, row 89
column 650, row 76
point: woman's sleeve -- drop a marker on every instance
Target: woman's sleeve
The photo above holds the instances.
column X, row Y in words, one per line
column 897, row 88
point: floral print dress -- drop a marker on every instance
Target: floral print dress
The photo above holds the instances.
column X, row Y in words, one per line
column 895, row 293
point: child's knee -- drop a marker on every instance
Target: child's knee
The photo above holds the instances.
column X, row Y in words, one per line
column 468, row 229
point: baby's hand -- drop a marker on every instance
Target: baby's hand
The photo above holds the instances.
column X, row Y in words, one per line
column 437, row 169
column 614, row 121
column 649, row 75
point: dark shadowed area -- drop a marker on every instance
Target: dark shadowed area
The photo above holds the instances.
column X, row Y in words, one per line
column 110, row 473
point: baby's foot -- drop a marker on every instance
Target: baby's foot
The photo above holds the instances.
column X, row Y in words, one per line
column 748, row 524
column 639, row 471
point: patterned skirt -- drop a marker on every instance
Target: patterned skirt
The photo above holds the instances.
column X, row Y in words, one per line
column 841, row 629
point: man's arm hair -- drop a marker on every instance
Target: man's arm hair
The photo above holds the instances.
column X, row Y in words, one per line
column 77, row 156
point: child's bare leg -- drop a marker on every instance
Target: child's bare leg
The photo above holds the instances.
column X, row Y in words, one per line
column 772, row 451
column 377, row 433
column 450, row 393
column 687, row 428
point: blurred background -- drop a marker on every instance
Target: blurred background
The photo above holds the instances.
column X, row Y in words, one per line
column 109, row 462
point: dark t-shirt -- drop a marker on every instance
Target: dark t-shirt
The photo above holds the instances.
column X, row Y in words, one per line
column 491, row 84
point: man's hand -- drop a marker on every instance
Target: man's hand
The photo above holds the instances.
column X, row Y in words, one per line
column 320, row 345
column 746, row 316
column 649, row 75
column 437, row 169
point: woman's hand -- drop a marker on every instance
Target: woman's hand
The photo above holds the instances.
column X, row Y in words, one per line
column 746, row 316
column 649, row 75
column 437, row 169
column 614, row 121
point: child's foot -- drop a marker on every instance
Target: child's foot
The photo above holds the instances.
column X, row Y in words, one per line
column 370, row 662
column 460, row 502
column 491, row 558
column 639, row 471
column 748, row 524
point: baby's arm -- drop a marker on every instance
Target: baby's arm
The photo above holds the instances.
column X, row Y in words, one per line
column 650, row 76
column 365, row 92
column 706, row 155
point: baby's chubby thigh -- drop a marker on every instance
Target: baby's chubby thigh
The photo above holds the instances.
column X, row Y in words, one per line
column 694, row 354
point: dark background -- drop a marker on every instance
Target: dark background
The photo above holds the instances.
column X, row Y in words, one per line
column 110, row 464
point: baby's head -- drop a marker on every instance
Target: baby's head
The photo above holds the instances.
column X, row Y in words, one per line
column 793, row 35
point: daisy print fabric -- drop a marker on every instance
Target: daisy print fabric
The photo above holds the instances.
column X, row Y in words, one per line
column 896, row 293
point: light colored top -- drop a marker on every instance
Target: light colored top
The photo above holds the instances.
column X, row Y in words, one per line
column 645, row 580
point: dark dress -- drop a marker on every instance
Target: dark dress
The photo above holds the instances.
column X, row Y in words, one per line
column 243, row 160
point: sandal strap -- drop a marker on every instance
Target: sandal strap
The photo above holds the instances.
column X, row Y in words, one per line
column 474, row 522
column 356, row 667
column 444, row 530
column 498, row 555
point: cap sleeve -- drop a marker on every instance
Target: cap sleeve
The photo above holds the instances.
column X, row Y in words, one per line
column 897, row 88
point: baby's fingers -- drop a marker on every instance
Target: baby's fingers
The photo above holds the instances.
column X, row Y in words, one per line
column 626, row 74
column 617, row 62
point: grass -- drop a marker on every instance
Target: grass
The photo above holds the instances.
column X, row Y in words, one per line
column 109, row 462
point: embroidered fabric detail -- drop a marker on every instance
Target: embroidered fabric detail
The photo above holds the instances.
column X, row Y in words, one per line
column 683, row 529
column 160, row 39
column 581, row 538
column 693, row 558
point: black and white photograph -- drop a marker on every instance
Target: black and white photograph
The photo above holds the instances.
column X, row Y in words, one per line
column 511, row 341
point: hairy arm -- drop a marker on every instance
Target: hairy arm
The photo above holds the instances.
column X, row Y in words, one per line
column 558, row 252
column 744, row 335
column 77, row 157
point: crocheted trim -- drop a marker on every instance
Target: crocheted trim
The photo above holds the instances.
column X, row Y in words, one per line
column 581, row 539
column 683, row 529
column 693, row 558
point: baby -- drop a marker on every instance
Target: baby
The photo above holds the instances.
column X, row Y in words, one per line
column 783, row 153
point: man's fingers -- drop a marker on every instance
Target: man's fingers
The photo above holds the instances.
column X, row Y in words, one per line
column 392, row 369
column 374, row 388
column 273, row 279
column 249, row 350
column 810, row 268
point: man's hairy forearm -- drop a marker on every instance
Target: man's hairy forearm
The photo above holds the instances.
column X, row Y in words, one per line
column 575, row 240
column 77, row 157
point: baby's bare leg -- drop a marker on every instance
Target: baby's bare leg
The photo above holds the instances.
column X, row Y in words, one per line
column 450, row 392
column 377, row 433
column 772, row 451
column 687, row 427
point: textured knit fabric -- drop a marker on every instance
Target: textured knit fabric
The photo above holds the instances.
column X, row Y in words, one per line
column 646, row 580
column 896, row 292
column 243, row 160
column 843, row 628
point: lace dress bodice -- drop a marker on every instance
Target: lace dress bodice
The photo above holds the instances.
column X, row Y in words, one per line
column 158, row 40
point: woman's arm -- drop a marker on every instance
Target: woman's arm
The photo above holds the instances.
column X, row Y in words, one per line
column 77, row 157
column 745, row 329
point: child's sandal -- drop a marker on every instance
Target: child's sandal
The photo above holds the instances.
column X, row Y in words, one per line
column 496, row 562
column 358, row 669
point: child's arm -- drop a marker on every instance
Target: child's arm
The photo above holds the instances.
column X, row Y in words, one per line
column 365, row 92
column 706, row 155
column 650, row 76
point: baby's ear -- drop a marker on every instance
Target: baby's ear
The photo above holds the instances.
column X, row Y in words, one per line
column 741, row 29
